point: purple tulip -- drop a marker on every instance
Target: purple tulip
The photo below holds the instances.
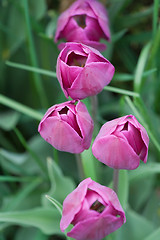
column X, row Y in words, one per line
column 82, row 71
column 121, row 143
column 86, row 21
column 67, row 127
column 93, row 210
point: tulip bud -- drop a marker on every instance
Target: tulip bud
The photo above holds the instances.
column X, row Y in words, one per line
column 67, row 127
column 121, row 143
column 85, row 21
column 93, row 210
column 82, row 71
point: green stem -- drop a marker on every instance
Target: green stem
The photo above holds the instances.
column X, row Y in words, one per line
column 80, row 166
column 115, row 180
column 94, row 113
column 34, row 62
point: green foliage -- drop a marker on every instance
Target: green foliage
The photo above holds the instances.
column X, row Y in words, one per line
column 30, row 167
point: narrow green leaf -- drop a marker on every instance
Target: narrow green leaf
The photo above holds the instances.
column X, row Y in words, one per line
column 61, row 185
column 121, row 91
column 46, row 219
column 118, row 35
column 140, row 67
column 15, row 179
column 9, row 120
column 16, row 200
column 136, row 227
column 155, row 17
column 32, row 153
column 145, row 170
column 37, row 80
column 20, row 108
column 32, row 69
column 57, row 204
column 154, row 235
column 123, row 77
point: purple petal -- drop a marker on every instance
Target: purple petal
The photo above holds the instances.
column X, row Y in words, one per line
column 73, row 202
column 115, row 152
column 91, row 80
column 95, row 228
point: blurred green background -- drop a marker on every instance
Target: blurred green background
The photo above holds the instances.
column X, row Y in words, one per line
column 31, row 168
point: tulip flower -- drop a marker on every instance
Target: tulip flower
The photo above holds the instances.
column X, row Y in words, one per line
column 121, row 143
column 93, row 210
column 67, row 127
column 86, row 21
column 82, row 71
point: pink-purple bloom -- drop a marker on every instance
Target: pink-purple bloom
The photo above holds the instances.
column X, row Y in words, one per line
column 67, row 127
column 93, row 210
column 82, row 71
column 121, row 143
column 85, row 21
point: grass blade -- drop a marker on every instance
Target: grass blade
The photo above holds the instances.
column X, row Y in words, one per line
column 55, row 203
column 121, row 91
column 32, row 69
column 34, row 62
column 20, row 108
column 140, row 67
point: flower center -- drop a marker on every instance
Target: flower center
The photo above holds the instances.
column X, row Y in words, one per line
column 81, row 20
column 76, row 60
column 63, row 111
column 97, row 206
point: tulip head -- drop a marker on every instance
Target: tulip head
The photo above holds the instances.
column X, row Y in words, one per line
column 85, row 21
column 121, row 143
column 82, row 71
column 93, row 210
column 67, row 127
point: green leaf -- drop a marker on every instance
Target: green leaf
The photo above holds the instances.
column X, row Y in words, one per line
column 121, row 91
column 143, row 171
column 9, row 120
column 118, row 35
column 154, row 235
column 55, row 203
column 30, row 233
column 32, row 69
column 61, row 186
column 20, row 108
column 155, row 17
column 135, row 228
column 13, row 202
column 140, row 67
column 46, row 219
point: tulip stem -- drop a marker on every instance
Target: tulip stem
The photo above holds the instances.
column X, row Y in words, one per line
column 94, row 112
column 115, row 180
column 80, row 166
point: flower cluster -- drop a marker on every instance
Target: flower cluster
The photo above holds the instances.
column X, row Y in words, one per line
column 82, row 71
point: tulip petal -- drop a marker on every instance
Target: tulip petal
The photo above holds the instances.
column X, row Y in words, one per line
column 115, row 152
column 85, row 123
column 91, row 80
column 73, row 203
column 95, row 228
